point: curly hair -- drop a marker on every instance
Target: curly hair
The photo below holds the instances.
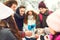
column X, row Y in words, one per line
column 26, row 16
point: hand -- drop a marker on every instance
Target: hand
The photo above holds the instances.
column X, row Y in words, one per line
column 28, row 33
column 36, row 36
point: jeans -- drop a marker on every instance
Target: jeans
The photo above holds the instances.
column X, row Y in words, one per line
column 30, row 38
column 41, row 37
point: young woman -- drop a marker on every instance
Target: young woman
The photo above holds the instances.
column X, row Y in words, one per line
column 19, row 17
column 53, row 22
column 30, row 23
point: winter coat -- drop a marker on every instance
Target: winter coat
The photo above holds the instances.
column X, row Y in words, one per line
column 19, row 19
column 41, row 19
column 6, row 34
column 56, row 38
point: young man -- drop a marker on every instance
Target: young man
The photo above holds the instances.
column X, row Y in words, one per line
column 19, row 17
column 44, row 12
column 41, row 19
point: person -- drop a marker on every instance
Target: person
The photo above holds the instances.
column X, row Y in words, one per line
column 30, row 23
column 19, row 17
column 11, row 21
column 5, row 32
column 44, row 12
column 41, row 19
column 54, row 25
column 12, row 4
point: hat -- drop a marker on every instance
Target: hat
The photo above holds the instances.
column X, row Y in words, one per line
column 42, row 5
column 5, row 11
column 53, row 20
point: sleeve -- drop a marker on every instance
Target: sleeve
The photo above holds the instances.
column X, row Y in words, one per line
column 22, row 34
column 10, row 36
column 13, row 27
column 11, row 22
column 38, row 24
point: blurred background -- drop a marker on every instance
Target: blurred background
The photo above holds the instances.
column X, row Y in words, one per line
column 33, row 4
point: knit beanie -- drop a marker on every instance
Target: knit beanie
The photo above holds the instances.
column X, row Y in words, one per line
column 53, row 20
column 5, row 11
column 42, row 5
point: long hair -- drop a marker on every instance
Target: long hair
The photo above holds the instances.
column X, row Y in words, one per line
column 11, row 22
column 26, row 16
column 3, row 23
column 13, row 27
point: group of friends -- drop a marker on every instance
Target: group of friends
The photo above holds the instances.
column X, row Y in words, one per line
column 24, row 24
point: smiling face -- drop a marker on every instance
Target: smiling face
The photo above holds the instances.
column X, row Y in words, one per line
column 13, row 7
column 12, row 4
column 42, row 10
column 22, row 11
column 30, row 13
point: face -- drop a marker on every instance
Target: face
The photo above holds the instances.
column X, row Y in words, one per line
column 13, row 7
column 42, row 10
column 22, row 11
column 30, row 12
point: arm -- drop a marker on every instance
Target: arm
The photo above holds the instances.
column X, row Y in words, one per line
column 38, row 22
column 15, row 30
column 13, row 27
column 10, row 36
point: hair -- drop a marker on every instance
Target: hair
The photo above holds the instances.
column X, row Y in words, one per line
column 9, row 3
column 56, row 35
column 22, row 6
column 14, row 29
column 26, row 16
column 3, row 23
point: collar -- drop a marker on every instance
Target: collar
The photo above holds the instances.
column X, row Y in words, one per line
column 46, row 13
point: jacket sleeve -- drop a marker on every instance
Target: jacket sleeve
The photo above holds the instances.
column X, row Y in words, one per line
column 10, row 36
column 22, row 34
column 12, row 24
column 13, row 27
column 38, row 24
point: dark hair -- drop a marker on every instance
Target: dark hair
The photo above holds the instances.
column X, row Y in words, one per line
column 22, row 6
column 56, row 35
column 9, row 3
column 26, row 16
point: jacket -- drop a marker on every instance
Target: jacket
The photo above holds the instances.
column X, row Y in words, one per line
column 56, row 38
column 41, row 19
column 6, row 34
column 19, row 19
